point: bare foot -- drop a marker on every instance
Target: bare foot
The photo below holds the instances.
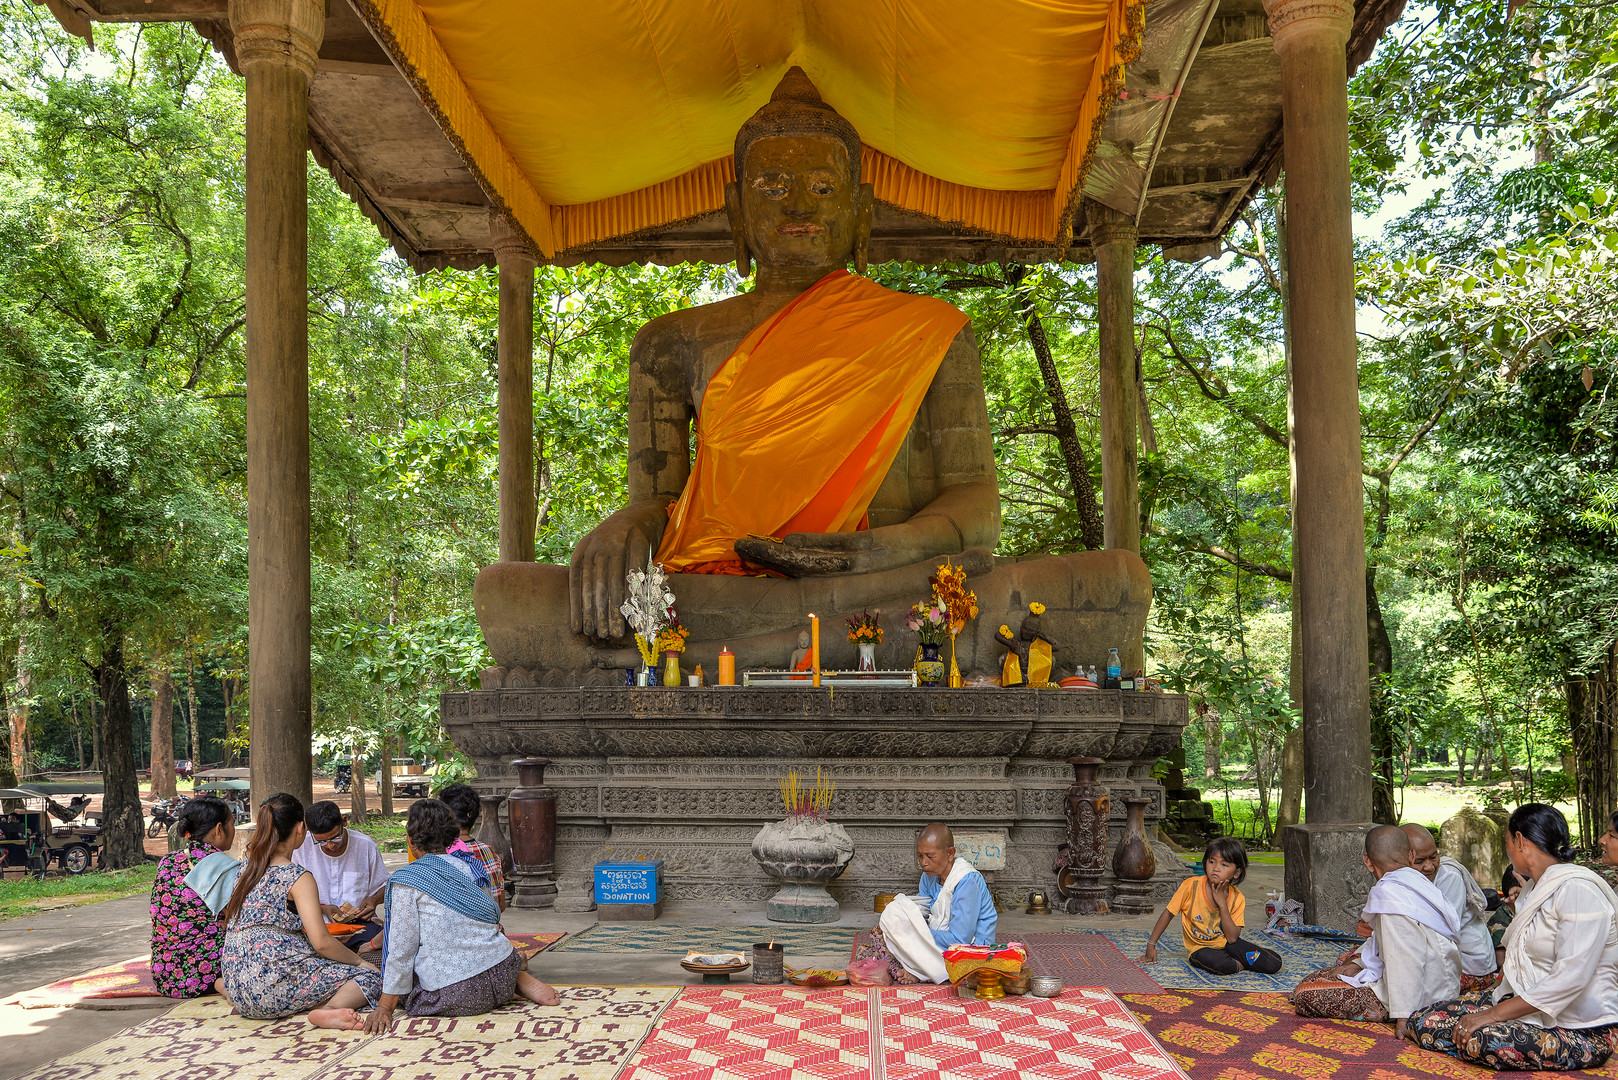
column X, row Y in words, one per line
column 340, row 1019
column 219, row 988
column 538, row 992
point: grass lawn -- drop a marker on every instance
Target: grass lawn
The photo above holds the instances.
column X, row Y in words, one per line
column 388, row 832
column 25, row 896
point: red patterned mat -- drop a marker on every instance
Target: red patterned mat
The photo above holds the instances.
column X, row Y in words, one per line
column 1222, row 1035
column 1087, row 960
column 133, row 978
column 896, row 1033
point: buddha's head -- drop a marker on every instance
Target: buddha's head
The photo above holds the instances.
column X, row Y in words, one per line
column 797, row 201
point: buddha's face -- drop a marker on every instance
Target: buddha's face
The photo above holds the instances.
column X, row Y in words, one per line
column 799, row 201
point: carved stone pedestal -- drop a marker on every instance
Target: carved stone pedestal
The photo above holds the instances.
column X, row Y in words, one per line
column 1324, row 870
column 688, row 775
column 1088, row 804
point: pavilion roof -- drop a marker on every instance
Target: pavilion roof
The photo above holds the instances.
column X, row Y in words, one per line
column 604, row 129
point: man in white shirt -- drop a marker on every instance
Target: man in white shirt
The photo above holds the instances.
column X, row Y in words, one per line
column 1478, row 967
column 1411, row 959
column 347, row 868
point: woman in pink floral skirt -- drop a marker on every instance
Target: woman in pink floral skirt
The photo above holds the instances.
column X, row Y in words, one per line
column 186, row 937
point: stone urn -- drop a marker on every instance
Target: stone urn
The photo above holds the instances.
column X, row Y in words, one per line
column 490, row 832
column 1078, row 880
column 531, row 809
column 803, row 853
column 1133, row 863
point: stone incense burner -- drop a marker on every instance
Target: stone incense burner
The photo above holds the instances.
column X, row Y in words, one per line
column 803, row 853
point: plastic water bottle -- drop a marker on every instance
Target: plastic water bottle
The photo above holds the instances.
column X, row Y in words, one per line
column 1115, row 669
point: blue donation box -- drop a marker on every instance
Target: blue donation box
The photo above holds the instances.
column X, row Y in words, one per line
column 628, row 886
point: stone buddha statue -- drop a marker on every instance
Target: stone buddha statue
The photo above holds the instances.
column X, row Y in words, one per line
column 842, row 451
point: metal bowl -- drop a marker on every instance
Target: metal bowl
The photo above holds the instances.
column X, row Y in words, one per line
column 883, row 900
column 1045, row 986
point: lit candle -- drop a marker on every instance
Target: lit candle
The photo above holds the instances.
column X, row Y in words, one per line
column 814, row 647
column 727, row 667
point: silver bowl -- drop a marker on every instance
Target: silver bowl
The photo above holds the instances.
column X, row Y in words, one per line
column 1045, row 986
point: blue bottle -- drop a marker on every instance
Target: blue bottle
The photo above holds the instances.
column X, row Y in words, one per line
column 1115, row 669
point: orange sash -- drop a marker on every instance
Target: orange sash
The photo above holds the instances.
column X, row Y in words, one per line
column 802, row 422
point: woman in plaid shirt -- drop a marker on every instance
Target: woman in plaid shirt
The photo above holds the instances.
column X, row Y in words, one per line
column 464, row 801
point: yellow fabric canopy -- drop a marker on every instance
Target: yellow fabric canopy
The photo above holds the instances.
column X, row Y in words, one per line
column 591, row 120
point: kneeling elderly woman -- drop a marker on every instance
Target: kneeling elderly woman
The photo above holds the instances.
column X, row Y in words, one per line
column 1558, row 1002
column 444, row 953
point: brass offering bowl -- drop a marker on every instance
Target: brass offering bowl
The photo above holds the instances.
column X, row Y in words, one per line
column 1038, row 903
column 1045, row 986
column 883, row 900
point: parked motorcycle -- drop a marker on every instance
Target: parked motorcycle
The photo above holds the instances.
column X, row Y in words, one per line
column 165, row 812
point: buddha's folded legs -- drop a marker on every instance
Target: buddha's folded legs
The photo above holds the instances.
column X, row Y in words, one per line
column 1094, row 601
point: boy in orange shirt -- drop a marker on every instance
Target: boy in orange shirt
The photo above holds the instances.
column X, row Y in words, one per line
column 1210, row 909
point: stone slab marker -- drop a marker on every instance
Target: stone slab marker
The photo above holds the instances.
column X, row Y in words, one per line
column 1311, row 38
column 276, row 44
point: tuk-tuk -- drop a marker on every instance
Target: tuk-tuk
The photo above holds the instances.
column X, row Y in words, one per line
column 236, row 791
column 48, row 830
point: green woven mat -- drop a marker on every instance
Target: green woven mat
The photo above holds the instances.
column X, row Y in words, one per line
column 672, row 937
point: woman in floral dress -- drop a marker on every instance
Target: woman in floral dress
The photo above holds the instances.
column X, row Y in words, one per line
column 279, row 958
column 186, row 938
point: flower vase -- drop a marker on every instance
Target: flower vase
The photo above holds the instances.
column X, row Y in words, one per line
column 1088, row 803
column 671, row 668
column 1133, row 863
column 929, row 669
column 867, row 656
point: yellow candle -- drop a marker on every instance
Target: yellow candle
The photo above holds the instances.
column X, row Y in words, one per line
column 814, row 647
column 727, row 667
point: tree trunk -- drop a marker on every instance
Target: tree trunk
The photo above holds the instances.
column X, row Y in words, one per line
column 1091, row 530
column 1383, row 745
column 357, row 810
column 191, row 710
column 17, row 714
column 96, row 764
column 1210, row 743
column 163, row 734
column 232, row 689
column 122, row 832
column 385, row 777
column 8, row 771
column 1592, row 708
column 1289, row 811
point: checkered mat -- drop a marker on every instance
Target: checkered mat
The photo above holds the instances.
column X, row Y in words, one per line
column 896, row 1033
column 588, row 1037
column 1236, row 1036
column 1299, row 956
column 670, row 938
column 133, row 978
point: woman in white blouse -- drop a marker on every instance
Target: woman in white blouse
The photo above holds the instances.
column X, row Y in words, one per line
column 1557, row 1002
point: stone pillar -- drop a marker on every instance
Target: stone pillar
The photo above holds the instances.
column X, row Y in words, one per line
column 1311, row 38
column 516, row 393
column 1112, row 235
column 276, row 45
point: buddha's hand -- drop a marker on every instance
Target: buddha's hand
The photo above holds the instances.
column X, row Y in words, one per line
column 863, row 552
column 597, row 576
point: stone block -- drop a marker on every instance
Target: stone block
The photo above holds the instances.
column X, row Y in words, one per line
column 1477, row 842
column 1325, row 869
column 575, row 893
column 628, row 912
column 491, row 678
column 985, row 850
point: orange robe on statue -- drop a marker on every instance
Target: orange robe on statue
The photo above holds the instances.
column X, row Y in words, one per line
column 801, row 423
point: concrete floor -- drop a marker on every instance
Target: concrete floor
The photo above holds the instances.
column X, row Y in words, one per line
column 53, row 945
